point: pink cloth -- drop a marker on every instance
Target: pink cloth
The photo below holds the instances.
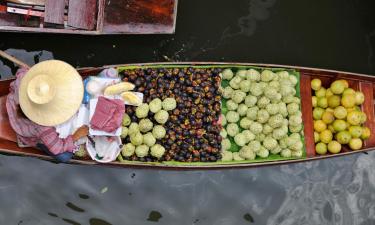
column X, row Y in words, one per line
column 30, row 133
column 108, row 114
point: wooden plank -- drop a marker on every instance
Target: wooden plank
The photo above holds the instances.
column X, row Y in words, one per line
column 368, row 108
column 54, row 11
column 305, row 90
column 82, row 14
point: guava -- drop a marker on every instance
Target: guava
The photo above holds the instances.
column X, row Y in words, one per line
column 340, row 112
column 314, row 101
column 355, row 131
column 337, row 87
column 359, row 98
column 328, row 117
column 317, row 113
column 316, row 137
column 343, row 137
column 339, row 125
column 334, row 147
column 348, row 100
column 319, row 126
column 348, row 91
column 334, row 101
column 323, row 102
column 321, row 148
column 321, row 92
column 354, row 117
column 326, row 136
column 316, row 84
column 355, row 144
column 366, row 133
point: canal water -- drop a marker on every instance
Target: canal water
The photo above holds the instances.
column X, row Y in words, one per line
column 336, row 34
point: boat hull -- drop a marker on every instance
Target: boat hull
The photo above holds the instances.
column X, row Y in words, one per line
column 365, row 83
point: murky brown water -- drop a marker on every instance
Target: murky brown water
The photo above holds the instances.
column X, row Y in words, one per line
column 333, row 34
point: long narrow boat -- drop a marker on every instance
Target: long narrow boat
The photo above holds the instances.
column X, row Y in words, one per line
column 364, row 83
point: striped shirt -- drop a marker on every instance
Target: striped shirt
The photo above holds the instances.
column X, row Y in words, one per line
column 30, row 133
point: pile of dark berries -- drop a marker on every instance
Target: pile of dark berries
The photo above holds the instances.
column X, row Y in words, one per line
column 193, row 134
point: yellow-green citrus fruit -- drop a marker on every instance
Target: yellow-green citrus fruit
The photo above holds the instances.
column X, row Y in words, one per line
column 323, row 102
column 354, row 117
column 328, row 117
column 328, row 93
column 316, row 137
column 343, row 137
column 348, row 91
column 355, row 131
column 340, row 112
column 321, row 148
column 334, row 147
column 316, row 84
column 348, row 100
column 319, row 126
column 321, row 92
column 337, row 87
column 334, row 101
column 317, row 113
column 330, row 127
column 326, row 136
column 359, row 98
column 330, row 110
column 366, row 133
column 355, row 144
column 344, row 82
column 314, row 101
column 339, row 125
column 363, row 117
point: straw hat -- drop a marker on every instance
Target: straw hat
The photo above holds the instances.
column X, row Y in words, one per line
column 51, row 92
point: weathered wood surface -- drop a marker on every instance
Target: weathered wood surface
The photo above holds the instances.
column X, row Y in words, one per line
column 139, row 16
column 82, row 14
column 54, row 11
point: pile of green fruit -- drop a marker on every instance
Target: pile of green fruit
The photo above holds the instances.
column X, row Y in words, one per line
column 261, row 115
column 338, row 119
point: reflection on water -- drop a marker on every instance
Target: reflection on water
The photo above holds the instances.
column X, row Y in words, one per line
column 335, row 191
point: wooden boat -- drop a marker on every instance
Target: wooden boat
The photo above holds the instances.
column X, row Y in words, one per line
column 362, row 82
column 91, row 17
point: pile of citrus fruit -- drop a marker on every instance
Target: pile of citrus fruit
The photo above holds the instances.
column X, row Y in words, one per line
column 338, row 119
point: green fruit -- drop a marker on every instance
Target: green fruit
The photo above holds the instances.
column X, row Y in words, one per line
column 334, row 147
column 348, row 100
column 319, row 126
column 349, row 91
column 344, row 82
column 321, row 148
column 363, row 117
column 334, row 101
column 316, row 84
column 328, row 117
column 328, row 93
column 330, row 127
column 354, row 117
column 314, row 101
column 326, row 136
column 355, row 144
column 366, row 133
column 355, row 131
column 339, row 125
column 317, row 113
column 323, row 102
column 343, row 137
column 337, row 87
column 321, row 92
column 359, row 98
column 316, row 137
column 340, row 112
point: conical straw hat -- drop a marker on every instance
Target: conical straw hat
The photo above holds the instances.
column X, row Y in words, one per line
column 51, row 92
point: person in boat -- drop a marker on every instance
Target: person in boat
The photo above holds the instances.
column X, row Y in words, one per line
column 46, row 95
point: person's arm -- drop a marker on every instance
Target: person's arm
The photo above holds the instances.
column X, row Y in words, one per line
column 56, row 145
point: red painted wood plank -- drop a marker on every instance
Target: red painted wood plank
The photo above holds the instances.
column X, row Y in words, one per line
column 368, row 108
column 54, row 11
column 82, row 14
column 307, row 118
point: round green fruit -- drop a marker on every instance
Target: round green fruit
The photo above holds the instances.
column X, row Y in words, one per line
column 321, row 148
column 355, row 131
column 334, row 147
column 355, row 144
column 337, row 87
column 316, row 84
column 317, row 113
column 340, row 112
column 343, row 137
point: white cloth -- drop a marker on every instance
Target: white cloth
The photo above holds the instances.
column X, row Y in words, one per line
column 106, row 148
column 69, row 127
